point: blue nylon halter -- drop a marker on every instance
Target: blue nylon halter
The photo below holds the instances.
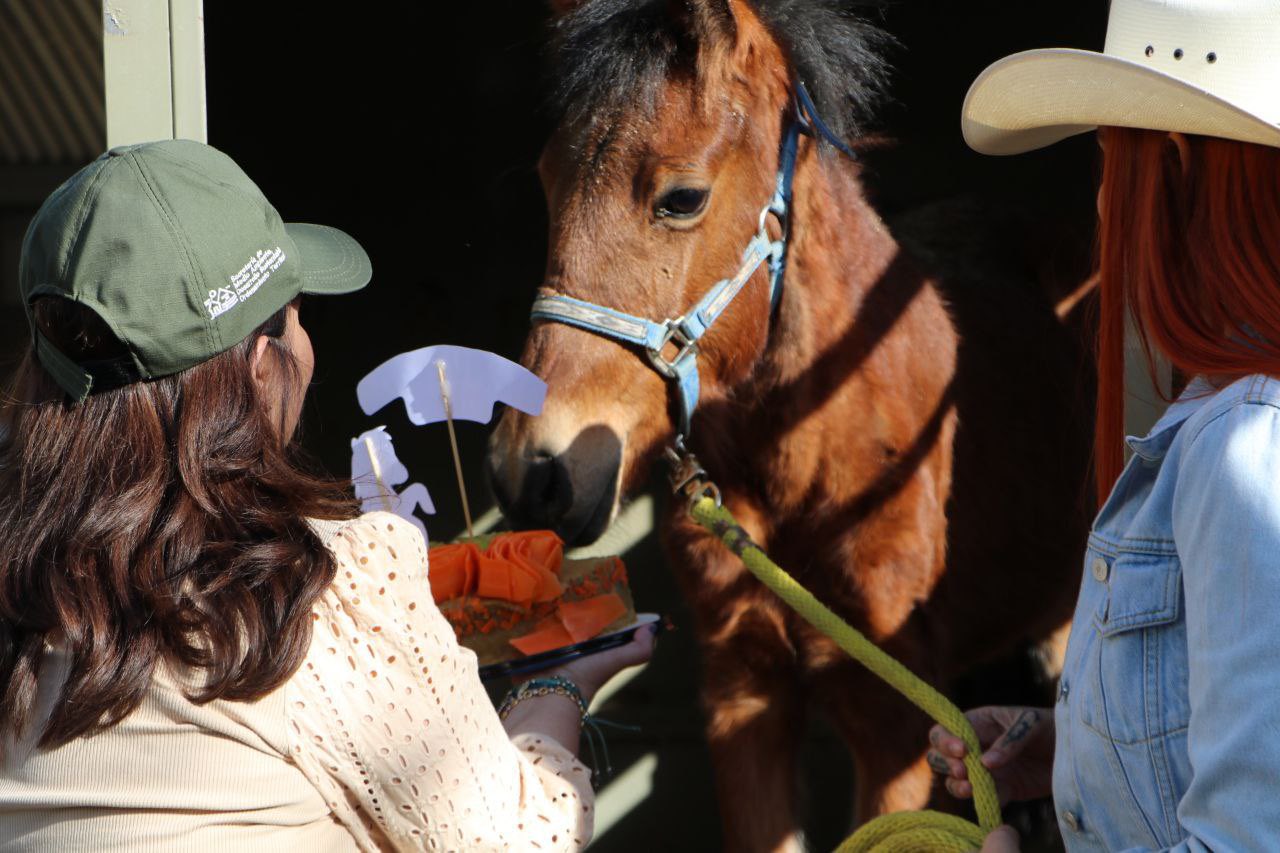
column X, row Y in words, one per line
column 686, row 330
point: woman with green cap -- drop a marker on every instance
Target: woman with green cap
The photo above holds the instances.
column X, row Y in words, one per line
column 1163, row 735
column 202, row 647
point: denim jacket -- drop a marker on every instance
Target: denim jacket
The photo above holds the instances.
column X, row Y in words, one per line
column 1168, row 713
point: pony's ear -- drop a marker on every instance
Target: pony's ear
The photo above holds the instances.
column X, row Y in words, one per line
column 707, row 19
column 744, row 30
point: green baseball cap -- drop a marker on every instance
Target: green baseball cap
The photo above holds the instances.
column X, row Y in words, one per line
column 179, row 253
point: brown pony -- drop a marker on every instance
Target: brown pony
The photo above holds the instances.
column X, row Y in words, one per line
column 913, row 447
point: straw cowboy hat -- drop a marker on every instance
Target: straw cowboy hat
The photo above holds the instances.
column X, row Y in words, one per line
column 1209, row 67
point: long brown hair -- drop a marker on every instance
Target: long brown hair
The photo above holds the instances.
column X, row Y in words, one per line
column 1189, row 246
column 160, row 521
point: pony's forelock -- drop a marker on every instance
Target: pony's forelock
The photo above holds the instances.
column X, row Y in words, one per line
column 610, row 56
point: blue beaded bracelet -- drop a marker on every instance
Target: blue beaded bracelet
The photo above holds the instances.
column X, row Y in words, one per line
column 557, row 684
column 590, row 725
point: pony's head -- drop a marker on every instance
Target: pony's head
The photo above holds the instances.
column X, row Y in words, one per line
column 671, row 119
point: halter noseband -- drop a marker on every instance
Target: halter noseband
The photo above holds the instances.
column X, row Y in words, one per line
column 686, row 330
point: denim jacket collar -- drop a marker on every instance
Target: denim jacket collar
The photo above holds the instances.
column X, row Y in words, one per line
column 1155, row 444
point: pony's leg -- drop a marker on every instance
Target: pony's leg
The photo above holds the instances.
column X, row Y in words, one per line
column 750, row 689
column 755, row 720
column 888, row 737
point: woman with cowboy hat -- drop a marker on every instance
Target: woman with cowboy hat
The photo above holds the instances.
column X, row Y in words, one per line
column 1165, row 730
column 202, row 646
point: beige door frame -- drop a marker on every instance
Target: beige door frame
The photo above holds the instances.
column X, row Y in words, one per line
column 153, row 64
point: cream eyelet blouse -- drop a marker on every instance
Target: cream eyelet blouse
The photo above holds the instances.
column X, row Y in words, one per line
column 390, row 722
column 383, row 740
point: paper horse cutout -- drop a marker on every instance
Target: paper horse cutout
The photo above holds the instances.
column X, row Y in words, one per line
column 373, row 497
column 477, row 381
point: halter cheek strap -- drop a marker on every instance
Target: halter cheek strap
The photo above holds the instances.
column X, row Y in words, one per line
column 685, row 331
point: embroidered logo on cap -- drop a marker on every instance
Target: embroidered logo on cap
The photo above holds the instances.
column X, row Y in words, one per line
column 246, row 282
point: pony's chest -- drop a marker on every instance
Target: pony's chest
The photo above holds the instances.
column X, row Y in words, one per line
column 813, row 475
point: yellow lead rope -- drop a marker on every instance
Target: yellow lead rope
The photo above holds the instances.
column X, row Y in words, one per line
column 892, row 833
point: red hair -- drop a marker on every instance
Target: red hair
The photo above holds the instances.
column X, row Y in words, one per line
column 1189, row 247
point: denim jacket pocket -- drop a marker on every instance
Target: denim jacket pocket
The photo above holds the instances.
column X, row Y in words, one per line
column 1143, row 590
column 1135, row 675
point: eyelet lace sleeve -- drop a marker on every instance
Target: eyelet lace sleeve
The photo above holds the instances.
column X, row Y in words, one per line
column 388, row 719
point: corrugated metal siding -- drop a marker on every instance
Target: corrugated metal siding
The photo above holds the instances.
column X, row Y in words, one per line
column 51, row 98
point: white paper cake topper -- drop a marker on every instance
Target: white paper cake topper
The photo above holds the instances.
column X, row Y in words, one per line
column 477, row 381
column 375, row 472
column 440, row 383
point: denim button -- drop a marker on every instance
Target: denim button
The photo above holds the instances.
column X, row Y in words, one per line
column 1101, row 571
column 1072, row 820
column 1063, row 690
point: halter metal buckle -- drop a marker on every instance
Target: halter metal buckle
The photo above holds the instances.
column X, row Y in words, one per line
column 676, row 333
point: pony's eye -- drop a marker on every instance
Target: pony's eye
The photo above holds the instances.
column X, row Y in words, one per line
column 681, row 203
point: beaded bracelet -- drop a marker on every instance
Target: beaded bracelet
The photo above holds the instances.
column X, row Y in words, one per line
column 590, row 724
column 557, row 684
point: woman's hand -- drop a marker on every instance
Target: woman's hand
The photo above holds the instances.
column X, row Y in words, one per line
column 591, row 672
column 1017, row 747
column 559, row 717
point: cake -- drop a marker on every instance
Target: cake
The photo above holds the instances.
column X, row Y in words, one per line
column 510, row 595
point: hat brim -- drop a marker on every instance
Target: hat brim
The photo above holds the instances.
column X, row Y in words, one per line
column 331, row 261
column 1034, row 99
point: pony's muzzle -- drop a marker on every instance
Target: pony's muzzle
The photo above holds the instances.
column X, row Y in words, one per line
column 573, row 492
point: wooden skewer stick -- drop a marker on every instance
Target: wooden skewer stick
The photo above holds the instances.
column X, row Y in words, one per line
column 453, row 443
column 377, row 475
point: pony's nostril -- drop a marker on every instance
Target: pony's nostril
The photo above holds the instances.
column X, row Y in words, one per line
column 541, row 478
column 568, row 490
column 538, row 479
column 558, row 492
column 550, row 484
column 546, row 492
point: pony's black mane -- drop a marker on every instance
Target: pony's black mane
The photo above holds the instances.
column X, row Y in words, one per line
column 611, row 55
